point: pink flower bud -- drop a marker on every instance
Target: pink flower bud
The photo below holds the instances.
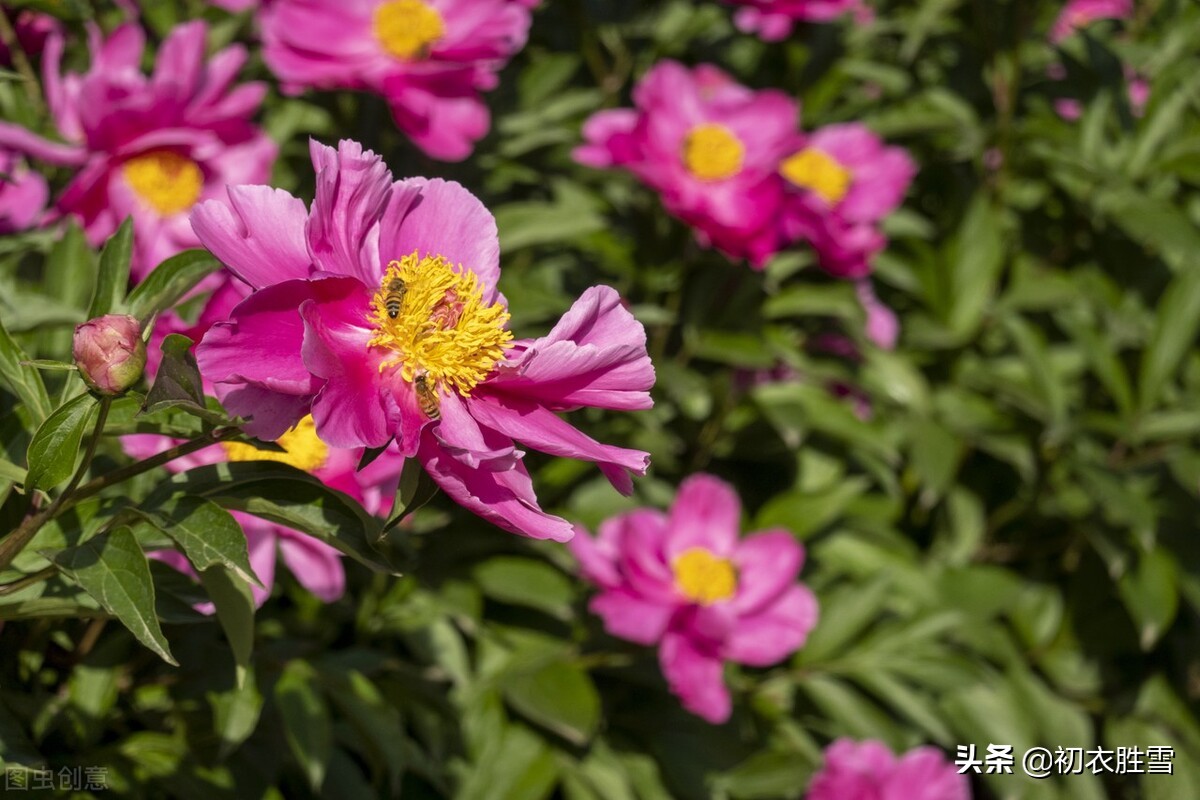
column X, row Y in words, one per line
column 110, row 353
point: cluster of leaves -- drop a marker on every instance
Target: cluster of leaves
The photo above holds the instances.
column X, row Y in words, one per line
column 1003, row 550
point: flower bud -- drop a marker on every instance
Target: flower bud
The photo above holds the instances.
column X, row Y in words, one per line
column 110, row 353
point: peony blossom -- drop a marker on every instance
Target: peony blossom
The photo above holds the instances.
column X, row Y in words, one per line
column 709, row 146
column 315, row 565
column 377, row 311
column 683, row 580
column 23, row 194
column 148, row 146
column 31, row 29
column 430, row 59
column 772, row 20
column 1077, row 14
column 870, row 771
column 842, row 180
column 109, row 353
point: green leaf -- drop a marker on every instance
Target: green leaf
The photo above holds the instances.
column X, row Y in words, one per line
column 177, row 383
column 973, row 267
column 236, row 714
column 235, row 611
column 112, row 568
column 805, row 513
column 113, row 277
column 70, row 278
column 54, row 448
column 169, row 282
column 289, row 496
column 1150, row 592
column 526, row 582
column 560, row 697
column 306, row 721
column 1174, row 334
column 24, row 382
column 377, row 721
column 514, row 766
column 415, row 489
column 206, row 533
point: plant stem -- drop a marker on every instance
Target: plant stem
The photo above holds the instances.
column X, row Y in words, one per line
column 28, row 580
column 16, row 541
column 8, row 35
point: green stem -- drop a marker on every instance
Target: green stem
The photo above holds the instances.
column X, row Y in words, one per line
column 15, row 542
column 28, row 580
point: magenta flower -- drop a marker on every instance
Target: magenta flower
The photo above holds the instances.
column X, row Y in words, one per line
column 709, row 146
column 772, row 20
column 316, row 565
column 870, row 771
column 684, row 581
column 429, row 58
column 148, row 146
column 23, row 194
column 842, row 180
column 377, row 311
column 31, row 29
column 1077, row 14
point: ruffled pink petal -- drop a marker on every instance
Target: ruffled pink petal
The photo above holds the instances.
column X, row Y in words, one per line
column 260, row 542
column 774, row 632
column 354, row 408
column 505, row 499
column 595, row 356
column 180, row 62
column 767, row 564
column 609, row 139
column 630, row 617
column 695, row 678
column 852, row 770
column 14, row 137
column 258, row 233
column 447, row 220
column 540, row 428
column 354, row 188
column 444, row 125
column 460, row 435
column 254, row 359
column 596, row 557
column 639, row 540
column 706, row 514
column 316, row 565
column 926, row 774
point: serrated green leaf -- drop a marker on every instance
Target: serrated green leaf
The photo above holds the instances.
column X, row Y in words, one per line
column 112, row 568
column 54, row 448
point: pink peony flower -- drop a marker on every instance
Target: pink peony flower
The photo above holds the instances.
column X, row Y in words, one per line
column 31, row 29
column 683, row 580
column 377, row 311
column 429, row 58
column 1080, row 13
column 842, row 180
column 23, row 194
column 148, row 146
column 882, row 327
column 869, row 771
column 316, row 565
column 110, row 353
column 709, row 146
column 772, row 20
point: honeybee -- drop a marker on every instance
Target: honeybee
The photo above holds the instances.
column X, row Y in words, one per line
column 426, row 396
column 394, row 296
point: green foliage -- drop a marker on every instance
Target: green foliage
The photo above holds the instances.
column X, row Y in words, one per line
column 1001, row 533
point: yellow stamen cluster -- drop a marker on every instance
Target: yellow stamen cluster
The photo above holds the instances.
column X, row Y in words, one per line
column 444, row 330
column 408, row 29
column 703, row 577
column 814, row 170
column 303, row 450
column 712, row 152
column 168, row 182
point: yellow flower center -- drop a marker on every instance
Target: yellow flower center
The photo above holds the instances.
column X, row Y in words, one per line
column 811, row 169
column 168, row 182
column 303, row 450
column 408, row 28
column 712, row 153
column 703, row 578
column 434, row 320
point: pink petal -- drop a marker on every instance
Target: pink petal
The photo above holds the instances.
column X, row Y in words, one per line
column 767, row 564
column 14, row 137
column 707, row 514
column 353, row 189
column 596, row 557
column 444, row 219
column 460, row 435
column 445, row 127
column 353, row 409
column 695, row 678
column 505, row 499
column 541, row 429
column 775, row 632
column 595, row 356
column 258, row 234
column 629, row 617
